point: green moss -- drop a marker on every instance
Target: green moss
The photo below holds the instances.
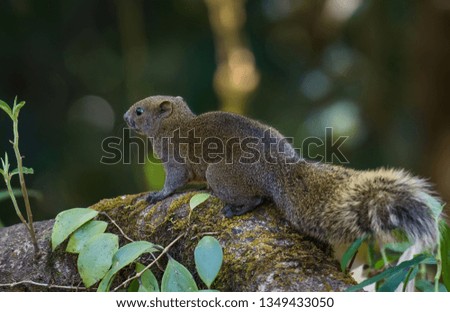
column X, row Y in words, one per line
column 268, row 246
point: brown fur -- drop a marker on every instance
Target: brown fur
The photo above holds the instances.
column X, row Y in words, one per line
column 330, row 203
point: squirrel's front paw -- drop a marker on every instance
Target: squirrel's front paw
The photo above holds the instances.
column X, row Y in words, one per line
column 154, row 197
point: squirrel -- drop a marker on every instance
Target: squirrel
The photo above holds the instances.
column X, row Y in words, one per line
column 328, row 202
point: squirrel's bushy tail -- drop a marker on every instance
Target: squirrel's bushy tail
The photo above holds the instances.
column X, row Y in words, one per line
column 339, row 205
column 383, row 201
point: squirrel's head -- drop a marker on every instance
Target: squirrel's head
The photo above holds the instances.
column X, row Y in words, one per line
column 156, row 113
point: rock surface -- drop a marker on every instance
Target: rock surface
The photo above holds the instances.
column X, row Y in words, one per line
column 261, row 252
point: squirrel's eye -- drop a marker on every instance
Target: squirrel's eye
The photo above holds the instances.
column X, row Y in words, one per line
column 139, row 111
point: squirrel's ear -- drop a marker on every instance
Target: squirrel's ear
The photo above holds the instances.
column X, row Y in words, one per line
column 165, row 108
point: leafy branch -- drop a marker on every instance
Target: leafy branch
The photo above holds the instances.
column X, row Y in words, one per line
column 100, row 258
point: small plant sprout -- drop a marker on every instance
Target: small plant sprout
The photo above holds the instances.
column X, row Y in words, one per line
column 20, row 170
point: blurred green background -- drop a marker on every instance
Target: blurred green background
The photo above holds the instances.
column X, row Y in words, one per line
column 376, row 71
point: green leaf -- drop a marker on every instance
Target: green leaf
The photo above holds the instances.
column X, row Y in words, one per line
column 350, row 252
column 5, row 107
column 96, row 257
column 25, row 171
column 411, row 276
column 445, row 253
column 124, row 256
column 106, row 282
column 142, row 288
column 208, row 259
column 380, row 263
column 177, row 278
column 430, row 260
column 5, row 163
column 392, row 282
column 198, row 199
column 389, row 272
column 147, row 281
column 431, row 201
column 134, row 286
column 398, row 247
column 424, row 285
column 80, row 237
column 68, row 221
column 16, row 109
column 427, row 286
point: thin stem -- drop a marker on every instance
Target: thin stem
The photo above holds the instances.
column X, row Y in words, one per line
column 371, row 253
column 13, row 199
column 137, row 275
column 384, row 256
column 43, row 285
column 157, row 263
column 439, row 266
column 349, row 267
column 405, row 283
column 126, row 236
column 423, row 271
column 23, row 185
column 117, row 226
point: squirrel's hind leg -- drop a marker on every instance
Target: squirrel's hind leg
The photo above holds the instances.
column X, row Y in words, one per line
column 233, row 210
column 239, row 192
